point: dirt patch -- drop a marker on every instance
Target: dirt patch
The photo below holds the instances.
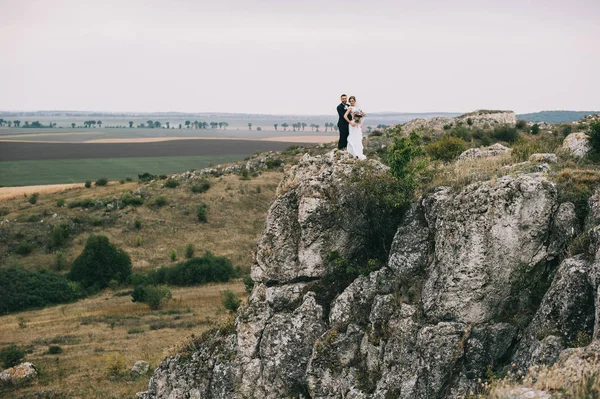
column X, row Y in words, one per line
column 14, row 192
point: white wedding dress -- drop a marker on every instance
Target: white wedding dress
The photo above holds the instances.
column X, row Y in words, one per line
column 355, row 146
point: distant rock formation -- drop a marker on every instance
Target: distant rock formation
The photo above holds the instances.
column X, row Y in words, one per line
column 481, row 119
column 484, row 152
column 476, row 279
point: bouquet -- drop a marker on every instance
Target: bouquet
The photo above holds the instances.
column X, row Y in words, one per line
column 358, row 114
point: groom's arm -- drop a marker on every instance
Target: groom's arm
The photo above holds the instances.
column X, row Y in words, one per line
column 340, row 111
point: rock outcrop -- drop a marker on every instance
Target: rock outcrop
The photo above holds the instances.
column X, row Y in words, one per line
column 22, row 373
column 480, row 119
column 578, row 144
column 484, row 152
column 476, row 279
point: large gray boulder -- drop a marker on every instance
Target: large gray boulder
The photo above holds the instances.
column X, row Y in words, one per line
column 22, row 373
column 577, row 144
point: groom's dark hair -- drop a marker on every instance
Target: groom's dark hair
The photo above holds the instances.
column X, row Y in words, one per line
column 343, row 95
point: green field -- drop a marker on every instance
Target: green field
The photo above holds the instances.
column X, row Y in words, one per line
column 57, row 171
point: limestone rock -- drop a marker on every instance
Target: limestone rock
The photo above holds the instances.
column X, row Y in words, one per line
column 140, row 367
column 577, row 144
column 484, row 152
column 481, row 118
column 547, row 158
column 19, row 374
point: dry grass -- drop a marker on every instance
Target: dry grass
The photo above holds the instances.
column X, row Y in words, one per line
column 91, row 329
column 461, row 173
column 236, row 213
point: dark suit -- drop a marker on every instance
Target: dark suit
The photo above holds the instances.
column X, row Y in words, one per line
column 343, row 126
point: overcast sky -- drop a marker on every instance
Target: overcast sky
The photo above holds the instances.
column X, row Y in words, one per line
column 281, row 56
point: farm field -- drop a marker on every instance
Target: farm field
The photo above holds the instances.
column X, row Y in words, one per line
column 25, row 164
column 57, row 171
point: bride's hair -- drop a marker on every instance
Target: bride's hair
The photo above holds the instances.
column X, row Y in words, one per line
column 352, row 98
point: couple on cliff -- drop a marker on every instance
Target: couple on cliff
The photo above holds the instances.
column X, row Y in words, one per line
column 349, row 123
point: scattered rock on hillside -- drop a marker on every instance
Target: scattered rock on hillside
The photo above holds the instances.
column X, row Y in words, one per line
column 547, row 158
column 435, row 125
column 578, row 144
column 484, row 152
column 19, row 374
column 140, row 367
column 484, row 119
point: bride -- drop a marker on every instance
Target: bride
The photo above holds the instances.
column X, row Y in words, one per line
column 355, row 146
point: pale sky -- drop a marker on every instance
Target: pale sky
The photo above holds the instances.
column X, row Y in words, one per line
column 280, row 56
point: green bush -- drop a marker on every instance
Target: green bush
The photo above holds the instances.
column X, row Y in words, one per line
column 160, row 201
column 121, row 181
column 83, row 203
column 99, row 263
column 173, row 256
column 403, row 158
column 88, row 184
column 244, row 174
column 33, row 198
column 11, row 356
column 24, row 248
column 505, row 133
column 59, row 235
column 189, row 251
column 594, row 133
column 535, row 129
column 155, row 296
column 273, row 163
column 60, row 203
column 462, row 132
column 248, row 283
column 60, row 262
column 201, row 187
column 103, row 181
column 446, row 149
column 145, row 177
column 171, row 183
column 205, row 269
column 137, row 223
column 231, row 301
column 129, row 199
column 201, row 213
column 138, row 279
column 25, row 289
column 33, row 218
column 566, row 129
column 521, row 124
column 54, row 350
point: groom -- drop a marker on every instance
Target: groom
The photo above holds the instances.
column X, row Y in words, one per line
column 343, row 123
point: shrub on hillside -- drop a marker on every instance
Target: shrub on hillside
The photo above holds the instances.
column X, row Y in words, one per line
column 189, row 251
column 99, row 263
column 103, row 181
column 60, row 262
column 155, row 296
column 505, row 133
column 594, row 133
column 11, row 356
column 129, row 199
column 446, row 149
column 82, row 203
column 171, row 183
column 145, row 177
column 160, row 201
column 231, row 301
column 201, row 187
column 60, row 203
column 59, row 235
column 33, row 198
column 88, row 184
column 521, row 124
column 25, row 289
column 462, row 132
column 535, row 129
column 404, row 157
column 205, row 269
column 201, row 213
column 24, row 248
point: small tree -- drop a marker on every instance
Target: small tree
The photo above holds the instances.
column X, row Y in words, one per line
column 201, row 213
column 99, row 263
column 88, row 184
column 60, row 262
column 189, row 251
column 11, row 356
column 33, row 198
column 103, row 181
column 155, row 296
column 535, row 129
column 594, row 133
column 231, row 301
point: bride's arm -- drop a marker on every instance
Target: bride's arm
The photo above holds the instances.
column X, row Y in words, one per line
column 346, row 117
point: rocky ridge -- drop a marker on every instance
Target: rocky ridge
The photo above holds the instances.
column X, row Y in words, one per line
column 476, row 279
column 481, row 119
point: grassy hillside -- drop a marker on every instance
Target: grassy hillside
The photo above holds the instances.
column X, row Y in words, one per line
column 100, row 337
column 555, row 116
